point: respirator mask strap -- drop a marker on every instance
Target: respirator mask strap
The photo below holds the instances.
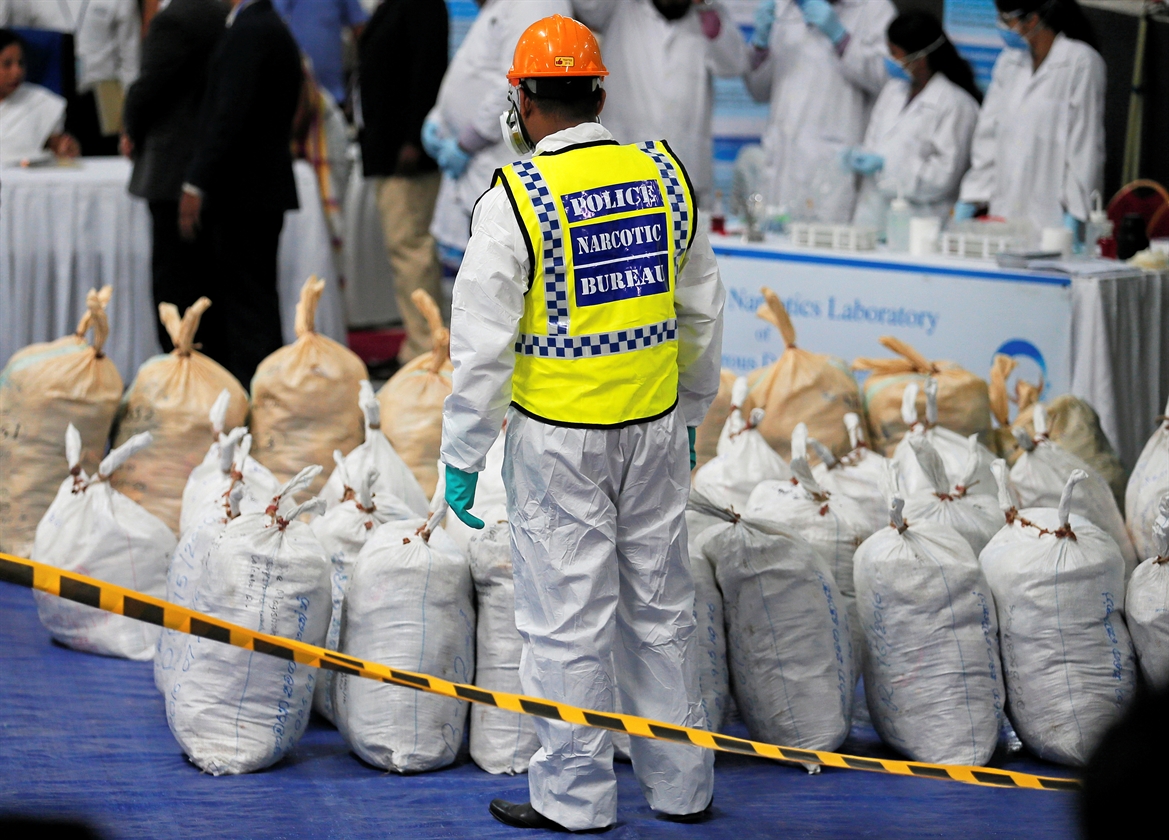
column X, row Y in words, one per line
column 515, row 133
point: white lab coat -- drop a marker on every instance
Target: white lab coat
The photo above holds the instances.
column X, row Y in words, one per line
column 926, row 146
column 28, row 117
column 474, row 93
column 603, row 592
column 106, row 34
column 820, row 103
column 1039, row 143
column 661, row 78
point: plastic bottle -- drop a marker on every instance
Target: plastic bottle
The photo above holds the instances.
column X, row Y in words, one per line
column 897, row 225
column 1098, row 240
column 718, row 215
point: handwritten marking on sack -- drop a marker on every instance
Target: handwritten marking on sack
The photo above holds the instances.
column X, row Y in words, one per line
column 1117, row 656
column 116, row 599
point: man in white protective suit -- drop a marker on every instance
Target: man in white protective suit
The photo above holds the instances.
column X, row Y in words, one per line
column 588, row 310
column 462, row 130
column 663, row 56
column 821, row 64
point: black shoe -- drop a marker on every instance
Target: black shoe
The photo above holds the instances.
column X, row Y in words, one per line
column 523, row 815
column 697, row 817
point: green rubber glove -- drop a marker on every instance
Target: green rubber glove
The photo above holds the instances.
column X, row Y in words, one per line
column 692, row 433
column 460, row 495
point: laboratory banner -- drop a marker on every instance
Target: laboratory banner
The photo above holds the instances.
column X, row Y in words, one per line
column 842, row 306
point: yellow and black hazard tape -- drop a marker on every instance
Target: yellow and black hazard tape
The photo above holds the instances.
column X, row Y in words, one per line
column 106, row 596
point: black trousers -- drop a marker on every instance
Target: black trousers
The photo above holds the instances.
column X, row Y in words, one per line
column 243, row 243
column 181, row 274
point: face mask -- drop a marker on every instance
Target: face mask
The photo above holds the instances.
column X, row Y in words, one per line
column 511, row 124
column 1013, row 39
column 896, row 71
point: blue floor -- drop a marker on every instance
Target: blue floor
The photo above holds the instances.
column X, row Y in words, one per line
column 86, row 736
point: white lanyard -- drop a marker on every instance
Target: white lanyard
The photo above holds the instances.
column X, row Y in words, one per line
column 74, row 23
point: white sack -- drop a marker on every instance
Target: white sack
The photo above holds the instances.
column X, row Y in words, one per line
column 713, row 675
column 728, row 479
column 953, row 448
column 1067, row 656
column 1147, row 604
column 408, row 606
column 92, row 529
column 933, row 681
column 734, row 422
column 501, row 741
column 976, row 517
column 860, row 475
column 1147, row 484
column 1041, row 473
column 394, row 477
column 834, row 526
column 343, row 531
column 787, row 634
column 234, row 710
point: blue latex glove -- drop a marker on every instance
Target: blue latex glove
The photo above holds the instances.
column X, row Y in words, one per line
column 764, row 20
column 460, row 495
column 692, row 433
column 432, row 138
column 1077, row 228
column 963, row 211
column 451, row 158
column 866, row 163
column 820, row 14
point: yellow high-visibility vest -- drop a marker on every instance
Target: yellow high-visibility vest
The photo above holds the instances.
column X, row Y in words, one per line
column 608, row 229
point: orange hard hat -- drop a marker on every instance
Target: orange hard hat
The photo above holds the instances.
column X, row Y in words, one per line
column 556, row 47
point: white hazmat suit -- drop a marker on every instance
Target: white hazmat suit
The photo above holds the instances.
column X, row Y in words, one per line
column 598, row 534
column 473, row 95
column 661, row 77
column 1039, row 144
column 820, row 101
column 925, row 142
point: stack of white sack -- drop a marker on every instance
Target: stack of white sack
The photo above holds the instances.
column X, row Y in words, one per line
column 860, row 475
column 713, row 676
column 343, row 531
column 234, row 710
column 727, row 480
column 1058, row 584
column 409, row 606
column 933, row 680
column 92, row 529
column 209, row 483
column 1040, row 476
column 220, row 492
column 1147, row 605
column 501, row 741
column 833, row 525
column 976, row 517
column 951, row 446
column 787, row 632
column 490, row 495
column 394, row 477
column 1147, row 484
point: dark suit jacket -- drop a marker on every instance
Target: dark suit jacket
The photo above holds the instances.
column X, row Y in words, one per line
column 402, row 57
column 243, row 156
column 162, row 106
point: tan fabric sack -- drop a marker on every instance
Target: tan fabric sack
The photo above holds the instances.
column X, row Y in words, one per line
column 171, row 398
column 802, row 387
column 963, row 398
column 411, row 402
column 44, row 389
column 304, row 398
column 709, row 430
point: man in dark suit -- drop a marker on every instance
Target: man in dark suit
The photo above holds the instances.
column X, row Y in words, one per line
column 402, row 57
column 160, row 118
column 240, row 182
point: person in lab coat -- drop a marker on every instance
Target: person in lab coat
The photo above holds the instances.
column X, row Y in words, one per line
column 32, row 119
column 820, row 64
column 918, row 140
column 462, row 130
column 663, row 56
column 603, row 365
column 1038, row 148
